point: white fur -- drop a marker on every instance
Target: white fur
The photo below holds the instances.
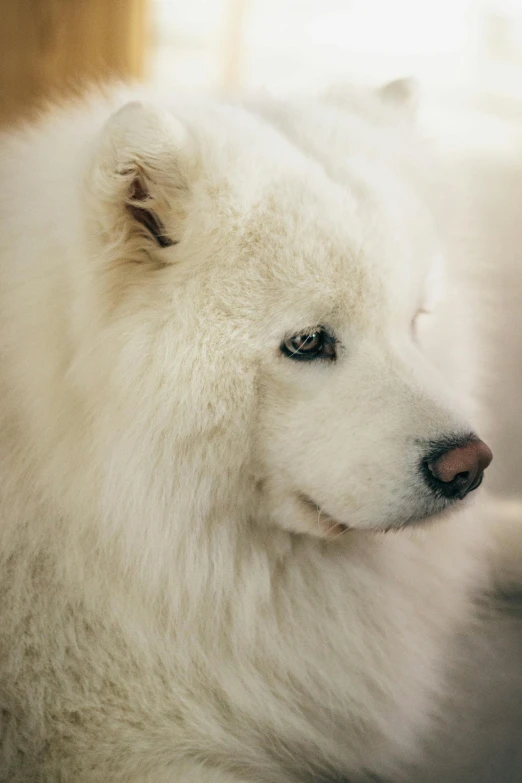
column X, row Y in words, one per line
column 171, row 612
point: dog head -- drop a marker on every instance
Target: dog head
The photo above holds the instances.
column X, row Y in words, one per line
column 267, row 305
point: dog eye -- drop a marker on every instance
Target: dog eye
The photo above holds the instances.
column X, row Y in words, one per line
column 307, row 346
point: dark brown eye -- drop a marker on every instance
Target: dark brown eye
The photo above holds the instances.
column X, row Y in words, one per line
column 306, row 346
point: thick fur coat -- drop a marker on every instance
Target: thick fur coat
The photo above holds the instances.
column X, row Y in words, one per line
column 219, row 564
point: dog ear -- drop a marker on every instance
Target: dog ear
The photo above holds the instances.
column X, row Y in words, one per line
column 403, row 95
column 140, row 180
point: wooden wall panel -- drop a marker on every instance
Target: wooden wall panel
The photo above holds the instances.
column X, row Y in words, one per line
column 52, row 46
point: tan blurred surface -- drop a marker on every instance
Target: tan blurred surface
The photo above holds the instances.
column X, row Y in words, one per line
column 53, row 46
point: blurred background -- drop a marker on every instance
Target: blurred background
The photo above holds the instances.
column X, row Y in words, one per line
column 466, row 54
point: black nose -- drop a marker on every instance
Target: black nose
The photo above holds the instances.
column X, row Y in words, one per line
column 454, row 469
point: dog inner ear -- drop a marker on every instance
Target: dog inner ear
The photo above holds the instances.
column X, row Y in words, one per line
column 140, row 206
column 139, row 183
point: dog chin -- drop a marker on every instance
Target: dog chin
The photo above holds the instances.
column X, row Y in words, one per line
column 326, row 526
column 298, row 513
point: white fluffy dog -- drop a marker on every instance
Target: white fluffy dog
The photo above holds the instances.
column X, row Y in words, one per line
column 235, row 415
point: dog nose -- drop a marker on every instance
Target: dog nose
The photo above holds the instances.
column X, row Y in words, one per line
column 457, row 470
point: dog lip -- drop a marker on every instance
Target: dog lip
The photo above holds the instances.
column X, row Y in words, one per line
column 332, row 525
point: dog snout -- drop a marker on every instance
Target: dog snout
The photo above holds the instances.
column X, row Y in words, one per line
column 454, row 469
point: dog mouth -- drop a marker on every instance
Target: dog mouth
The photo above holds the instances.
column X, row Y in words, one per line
column 328, row 526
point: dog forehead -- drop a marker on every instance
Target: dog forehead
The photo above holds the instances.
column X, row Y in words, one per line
column 295, row 279
column 302, row 226
column 306, row 246
column 323, row 243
